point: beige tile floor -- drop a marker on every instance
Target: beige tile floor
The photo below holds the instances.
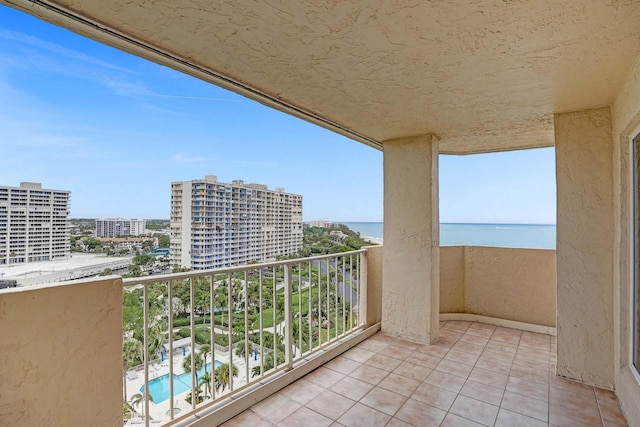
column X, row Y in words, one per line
column 476, row 375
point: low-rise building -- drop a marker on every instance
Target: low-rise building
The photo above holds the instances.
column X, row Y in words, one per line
column 321, row 223
column 115, row 227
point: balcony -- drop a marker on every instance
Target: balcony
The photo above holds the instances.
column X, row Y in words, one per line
column 494, row 363
column 476, row 375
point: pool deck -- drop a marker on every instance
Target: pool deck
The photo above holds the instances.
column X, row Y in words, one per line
column 135, row 381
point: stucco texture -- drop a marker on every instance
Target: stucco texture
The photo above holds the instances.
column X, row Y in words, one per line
column 584, row 172
column 626, row 119
column 481, row 76
column 374, row 285
column 452, row 277
column 505, row 283
column 61, row 354
column 411, row 239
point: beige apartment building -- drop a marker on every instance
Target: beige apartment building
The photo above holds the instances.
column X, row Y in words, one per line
column 216, row 224
column 34, row 224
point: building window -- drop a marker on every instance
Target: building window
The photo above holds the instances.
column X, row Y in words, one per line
column 635, row 288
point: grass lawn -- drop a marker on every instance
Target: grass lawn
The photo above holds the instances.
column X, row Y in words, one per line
column 297, row 299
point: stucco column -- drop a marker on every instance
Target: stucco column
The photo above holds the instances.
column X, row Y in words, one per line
column 410, row 274
column 584, row 173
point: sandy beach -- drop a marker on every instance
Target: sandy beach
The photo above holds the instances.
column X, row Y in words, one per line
column 376, row 240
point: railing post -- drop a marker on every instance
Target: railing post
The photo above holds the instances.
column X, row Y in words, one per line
column 353, row 293
column 145, row 322
column 362, row 290
column 288, row 318
column 230, row 328
column 193, row 344
column 170, row 352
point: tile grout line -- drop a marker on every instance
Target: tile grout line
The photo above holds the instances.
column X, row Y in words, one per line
column 508, row 376
column 598, row 403
column 448, row 411
column 378, row 385
column 466, row 379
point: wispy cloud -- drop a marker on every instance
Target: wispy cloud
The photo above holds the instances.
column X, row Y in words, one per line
column 48, row 57
column 34, row 137
column 198, row 98
column 15, row 36
column 74, row 63
column 154, row 109
column 124, row 87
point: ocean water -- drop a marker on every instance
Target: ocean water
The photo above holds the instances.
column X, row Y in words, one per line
column 535, row 236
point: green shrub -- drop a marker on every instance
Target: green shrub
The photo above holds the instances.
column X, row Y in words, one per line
column 222, row 340
column 186, row 321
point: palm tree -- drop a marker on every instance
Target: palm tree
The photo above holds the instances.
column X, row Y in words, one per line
column 254, row 293
column 138, row 400
column 240, row 349
column 296, row 332
column 220, row 300
column 186, row 365
column 176, row 306
column 157, row 337
column 268, row 363
column 237, row 332
column 206, row 381
column 204, row 350
column 237, row 292
column 127, row 411
column 223, row 379
column 131, row 351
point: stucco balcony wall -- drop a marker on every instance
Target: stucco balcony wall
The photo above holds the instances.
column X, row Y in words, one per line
column 61, row 357
column 506, row 283
column 61, row 354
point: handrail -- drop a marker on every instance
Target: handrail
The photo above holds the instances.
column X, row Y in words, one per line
column 307, row 305
column 130, row 281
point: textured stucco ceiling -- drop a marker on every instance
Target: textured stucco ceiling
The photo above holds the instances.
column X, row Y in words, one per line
column 483, row 75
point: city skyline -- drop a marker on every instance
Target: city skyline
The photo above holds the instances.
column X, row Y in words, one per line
column 116, row 130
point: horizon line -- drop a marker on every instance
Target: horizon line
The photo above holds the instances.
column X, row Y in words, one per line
column 361, row 222
column 456, row 223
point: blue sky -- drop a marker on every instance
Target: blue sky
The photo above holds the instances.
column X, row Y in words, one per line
column 116, row 130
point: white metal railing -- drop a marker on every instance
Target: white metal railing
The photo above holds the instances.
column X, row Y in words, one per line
column 267, row 316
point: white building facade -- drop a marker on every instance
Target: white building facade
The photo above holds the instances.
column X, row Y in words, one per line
column 215, row 224
column 321, row 223
column 114, row 227
column 34, row 224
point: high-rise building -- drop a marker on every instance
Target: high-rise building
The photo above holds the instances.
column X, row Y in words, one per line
column 114, row 227
column 214, row 224
column 34, row 224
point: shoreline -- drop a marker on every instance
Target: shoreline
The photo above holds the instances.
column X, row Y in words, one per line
column 377, row 240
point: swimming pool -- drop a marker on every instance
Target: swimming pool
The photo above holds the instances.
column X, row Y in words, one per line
column 159, row 387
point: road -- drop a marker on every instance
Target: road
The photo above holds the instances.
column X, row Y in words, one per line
column 350, row 294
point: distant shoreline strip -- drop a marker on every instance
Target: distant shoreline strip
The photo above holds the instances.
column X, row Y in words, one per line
column 377, row 240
